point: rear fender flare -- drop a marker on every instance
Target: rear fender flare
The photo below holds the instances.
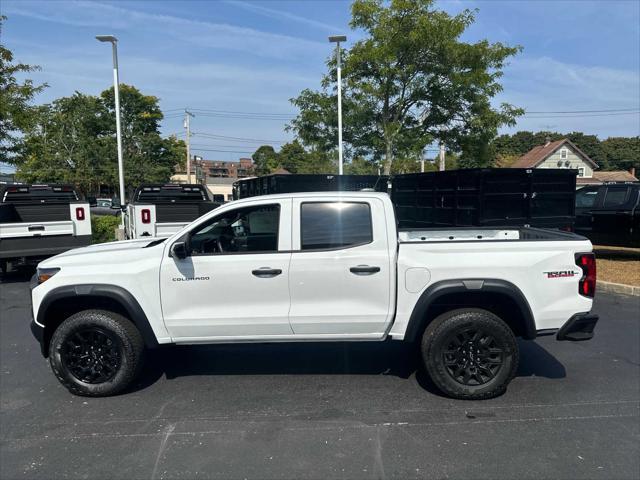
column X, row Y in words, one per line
column 418, row 320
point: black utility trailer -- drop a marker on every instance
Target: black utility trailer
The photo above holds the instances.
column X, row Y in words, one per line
column 456, row 198
column 285, row 183
column 486, row 197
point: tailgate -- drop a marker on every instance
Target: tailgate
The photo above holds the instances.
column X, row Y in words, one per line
column 167, row 229
column 36, row 229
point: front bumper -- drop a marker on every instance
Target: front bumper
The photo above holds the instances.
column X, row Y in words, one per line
column 36, row 330
column 578, row 328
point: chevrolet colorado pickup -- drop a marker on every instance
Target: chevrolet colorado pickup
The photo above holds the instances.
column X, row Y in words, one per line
column 304, row 267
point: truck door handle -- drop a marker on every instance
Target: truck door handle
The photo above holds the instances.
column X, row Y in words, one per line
column 266, row 272
column 36, row 228
column 364, row 270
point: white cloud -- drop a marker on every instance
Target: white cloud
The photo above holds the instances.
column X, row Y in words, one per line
column 220, row 36
column 281, row 15
column 545, row 84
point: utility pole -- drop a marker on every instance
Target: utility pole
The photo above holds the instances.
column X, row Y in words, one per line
column 187, row 125
column 441, row 167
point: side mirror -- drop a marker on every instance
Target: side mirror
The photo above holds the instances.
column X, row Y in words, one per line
column 179, row 250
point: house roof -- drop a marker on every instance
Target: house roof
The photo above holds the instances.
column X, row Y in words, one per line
column 539, row 154
column 602, row 177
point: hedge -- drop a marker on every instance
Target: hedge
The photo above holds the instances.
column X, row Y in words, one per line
column 103, row 228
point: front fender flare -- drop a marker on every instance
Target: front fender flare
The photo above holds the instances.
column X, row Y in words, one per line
column 113, row 292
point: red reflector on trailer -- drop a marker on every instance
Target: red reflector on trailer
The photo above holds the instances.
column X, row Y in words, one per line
column 146, row 215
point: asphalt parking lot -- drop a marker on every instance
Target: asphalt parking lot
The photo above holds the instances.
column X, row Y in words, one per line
column 325, row 411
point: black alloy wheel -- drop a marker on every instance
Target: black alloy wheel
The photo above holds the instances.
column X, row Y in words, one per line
column 96, row 353
column 470, row 353
column 92, row 354
column 472, row 357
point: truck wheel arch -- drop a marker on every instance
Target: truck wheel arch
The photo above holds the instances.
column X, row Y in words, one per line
column 62, row 302
column 495, row 295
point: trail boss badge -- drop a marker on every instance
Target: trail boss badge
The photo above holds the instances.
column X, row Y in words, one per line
column 561, row 274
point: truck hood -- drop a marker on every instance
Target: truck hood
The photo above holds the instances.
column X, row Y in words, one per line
column 102, row 252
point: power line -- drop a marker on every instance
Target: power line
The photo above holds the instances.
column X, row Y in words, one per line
column 225, row 137
column 585, row 115
column 592, row 111
column 223, row 151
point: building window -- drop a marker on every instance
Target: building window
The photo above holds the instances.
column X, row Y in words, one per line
column 580, row 171
column 564, row 153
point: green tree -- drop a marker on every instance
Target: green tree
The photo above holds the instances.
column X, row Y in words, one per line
column 73, row 140
column 265, row 160
column 409, row 82
column 16, row 113
column 622, row 153
column 68, row 144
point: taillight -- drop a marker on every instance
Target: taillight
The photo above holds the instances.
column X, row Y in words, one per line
column 587, row 285
column 79, row 213
column 146, row 215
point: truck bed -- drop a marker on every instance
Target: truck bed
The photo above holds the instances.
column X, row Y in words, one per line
column 472, row 234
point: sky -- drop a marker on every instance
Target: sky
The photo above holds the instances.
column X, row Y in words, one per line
column 237, row 63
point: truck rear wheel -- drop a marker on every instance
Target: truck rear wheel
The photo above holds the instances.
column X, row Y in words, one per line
column 96, row 353
column 470, row 353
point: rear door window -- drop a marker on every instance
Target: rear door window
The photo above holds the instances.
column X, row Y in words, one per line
column 615, row 197
column 329, row 225
column 586, row 198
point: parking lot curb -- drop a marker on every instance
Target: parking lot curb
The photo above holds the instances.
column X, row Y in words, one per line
column 618, row 288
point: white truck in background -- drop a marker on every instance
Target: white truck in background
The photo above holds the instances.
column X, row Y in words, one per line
column 39, row 221
column 307, row 267
column 160, row 210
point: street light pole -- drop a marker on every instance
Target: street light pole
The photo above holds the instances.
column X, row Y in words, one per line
column 337, row 39
column 116, row 87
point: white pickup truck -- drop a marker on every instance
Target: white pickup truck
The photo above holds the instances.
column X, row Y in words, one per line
column 305, row 267
column 38, row 221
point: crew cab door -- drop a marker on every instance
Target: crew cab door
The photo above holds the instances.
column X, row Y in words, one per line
column 340, row 273
column 234, row 281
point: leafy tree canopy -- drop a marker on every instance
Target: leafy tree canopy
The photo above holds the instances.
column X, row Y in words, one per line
column 73, row 140
column 16, row 112
column 411, row 81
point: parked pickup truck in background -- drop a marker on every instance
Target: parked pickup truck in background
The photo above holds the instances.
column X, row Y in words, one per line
column 37, row 221
column 305, row 267
column 161, row 210
column 609, row 214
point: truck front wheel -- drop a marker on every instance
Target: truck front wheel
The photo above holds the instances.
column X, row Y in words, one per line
column 96, row 353
column 470, row 353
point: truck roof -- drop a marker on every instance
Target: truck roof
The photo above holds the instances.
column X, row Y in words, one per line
column 332, row 194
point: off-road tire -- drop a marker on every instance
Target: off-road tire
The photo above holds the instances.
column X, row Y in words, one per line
column 446, row 330
column 126, row 338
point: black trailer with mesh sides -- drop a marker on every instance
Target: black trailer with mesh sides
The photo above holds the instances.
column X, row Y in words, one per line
column 283, row 183
column 486, row 197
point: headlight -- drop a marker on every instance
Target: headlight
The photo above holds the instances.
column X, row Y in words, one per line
column 45, row 274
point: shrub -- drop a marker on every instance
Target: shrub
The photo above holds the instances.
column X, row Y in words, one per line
column 103, row 228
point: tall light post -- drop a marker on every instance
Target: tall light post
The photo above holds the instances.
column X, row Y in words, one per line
column 116, row 87
column 337, row 39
